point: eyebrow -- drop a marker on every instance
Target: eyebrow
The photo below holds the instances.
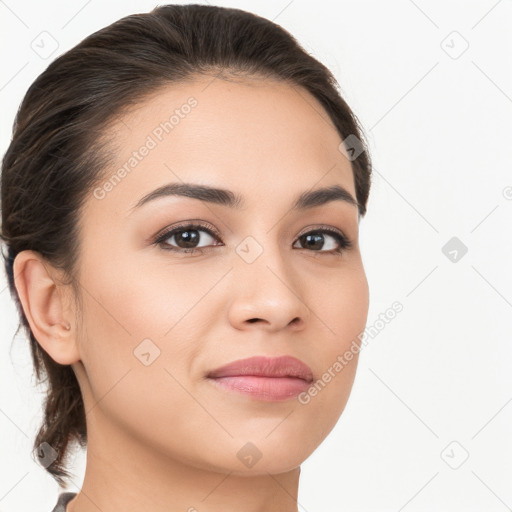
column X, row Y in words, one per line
column 223, row 197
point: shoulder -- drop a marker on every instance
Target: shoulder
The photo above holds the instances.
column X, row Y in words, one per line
column 64, row 499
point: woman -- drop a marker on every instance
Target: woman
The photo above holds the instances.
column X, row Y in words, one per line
column 180, row 206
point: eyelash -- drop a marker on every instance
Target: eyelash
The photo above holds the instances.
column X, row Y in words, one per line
column 343, row 241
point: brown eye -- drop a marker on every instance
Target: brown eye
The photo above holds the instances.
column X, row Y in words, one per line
column 186, row 238
column 317, row 240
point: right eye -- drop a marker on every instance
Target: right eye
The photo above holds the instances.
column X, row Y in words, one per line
column 186, row 237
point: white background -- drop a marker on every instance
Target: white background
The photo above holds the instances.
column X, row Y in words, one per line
column 439, row 124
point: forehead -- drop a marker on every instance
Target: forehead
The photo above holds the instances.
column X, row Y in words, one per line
column 253, row 136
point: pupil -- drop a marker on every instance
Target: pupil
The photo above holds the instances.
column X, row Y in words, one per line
column 188, row 237
column 311, row 240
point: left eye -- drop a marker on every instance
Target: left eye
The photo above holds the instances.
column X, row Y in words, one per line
column 313, row 238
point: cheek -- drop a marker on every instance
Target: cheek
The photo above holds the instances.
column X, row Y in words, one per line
column 136, row 375
column 142, row 326
column 143, row 298
column 342, row 314
column 341, row 310
column 130, row 325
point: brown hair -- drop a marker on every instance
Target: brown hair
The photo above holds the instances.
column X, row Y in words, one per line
column 56, row 158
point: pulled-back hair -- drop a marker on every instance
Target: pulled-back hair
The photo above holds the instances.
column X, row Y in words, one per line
column 57, row 153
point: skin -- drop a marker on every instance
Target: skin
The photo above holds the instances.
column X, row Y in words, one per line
column 162, row 437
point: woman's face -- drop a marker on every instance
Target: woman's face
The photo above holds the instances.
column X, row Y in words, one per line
column 157, row 319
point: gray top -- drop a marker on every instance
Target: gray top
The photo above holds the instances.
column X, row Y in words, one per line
column 64, row 499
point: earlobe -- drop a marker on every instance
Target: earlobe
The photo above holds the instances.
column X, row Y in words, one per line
column 44, row 306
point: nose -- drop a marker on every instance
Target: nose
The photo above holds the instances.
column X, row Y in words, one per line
column 267, row 294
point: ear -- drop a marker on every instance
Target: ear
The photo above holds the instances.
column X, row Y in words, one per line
column 45, row 306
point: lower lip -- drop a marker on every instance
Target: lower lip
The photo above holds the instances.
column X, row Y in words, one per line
column 264, row 388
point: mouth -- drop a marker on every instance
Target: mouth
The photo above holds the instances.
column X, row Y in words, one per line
column 264, row 378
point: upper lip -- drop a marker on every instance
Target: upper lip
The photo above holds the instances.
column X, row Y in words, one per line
column 262, row 366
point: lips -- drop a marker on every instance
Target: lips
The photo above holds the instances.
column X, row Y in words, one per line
column 262, row 366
